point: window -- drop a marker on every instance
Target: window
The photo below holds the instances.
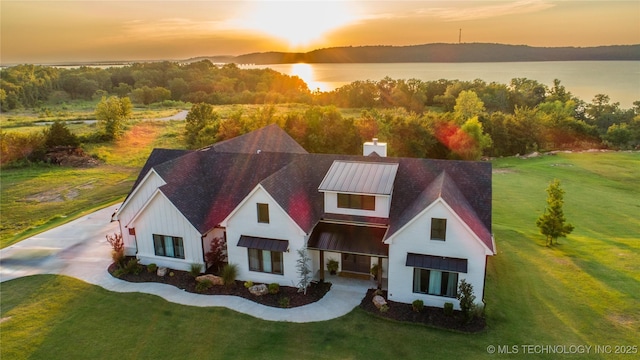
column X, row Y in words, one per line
column 263, row 213
column 265, row 261
column 353, row 201
column 438, row 229
column 435, row 282
column 169, row 246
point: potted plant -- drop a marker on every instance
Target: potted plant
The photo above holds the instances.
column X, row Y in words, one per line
column 374, row 271
column 332, row 266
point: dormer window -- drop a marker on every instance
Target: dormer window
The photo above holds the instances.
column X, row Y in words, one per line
column 359, row 188
column 355, row 201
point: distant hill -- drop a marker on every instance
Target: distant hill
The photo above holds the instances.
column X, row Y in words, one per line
column 475, row 52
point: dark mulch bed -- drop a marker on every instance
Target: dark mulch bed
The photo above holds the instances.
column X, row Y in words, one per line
column 430, row 316
column 183, row 280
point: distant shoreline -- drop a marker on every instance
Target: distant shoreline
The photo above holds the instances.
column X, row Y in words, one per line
column 426, row 53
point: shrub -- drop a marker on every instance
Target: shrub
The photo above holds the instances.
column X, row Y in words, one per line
column 448, row 309
column 117, row 248
column 248, row 284
column 274, row 288
column 229, row 273
column 384, row 308
column 284, row 302
column 467, row 299
column 152, row 268
column 132, row 267
column 204, row 285
column 332, row 266
column 417, row 305
column 195, row 270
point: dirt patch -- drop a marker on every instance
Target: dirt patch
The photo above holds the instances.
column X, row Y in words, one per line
column 184, row 280
column 430, row 316
column 56, row 195
column 5, row 319
column 503, row 171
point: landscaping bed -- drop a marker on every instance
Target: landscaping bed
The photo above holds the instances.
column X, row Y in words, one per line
column 430, row 316
column 184, row 280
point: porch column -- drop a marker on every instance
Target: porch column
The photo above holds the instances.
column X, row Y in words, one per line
column 321, row 265
column 379, row 273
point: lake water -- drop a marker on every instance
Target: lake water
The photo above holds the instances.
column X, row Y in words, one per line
column 584, row 79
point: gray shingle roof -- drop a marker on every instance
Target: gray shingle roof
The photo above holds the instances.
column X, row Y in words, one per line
column 207, row 185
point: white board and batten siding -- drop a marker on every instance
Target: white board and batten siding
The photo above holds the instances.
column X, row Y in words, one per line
column 244, row 221
column 162, row 218
column 415, row 238
column 132, row 206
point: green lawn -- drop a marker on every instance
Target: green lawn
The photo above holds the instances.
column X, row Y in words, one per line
column 585, row 291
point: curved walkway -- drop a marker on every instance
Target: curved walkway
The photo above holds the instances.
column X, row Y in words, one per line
column 79, row 249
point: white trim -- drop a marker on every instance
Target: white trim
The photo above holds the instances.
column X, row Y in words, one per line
column 135, row 191
column 464, row 224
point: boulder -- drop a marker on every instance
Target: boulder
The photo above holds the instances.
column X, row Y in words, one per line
column 259, row 290
column 379, row 301
column 162, row 271
column 215, row 280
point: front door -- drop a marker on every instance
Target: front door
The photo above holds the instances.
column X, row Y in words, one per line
column 356, row 263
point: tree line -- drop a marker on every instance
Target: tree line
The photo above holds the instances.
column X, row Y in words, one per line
column 438, row 119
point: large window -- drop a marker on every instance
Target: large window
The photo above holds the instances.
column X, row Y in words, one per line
column 435, row 282
column 170, row 246
column 438, row 229
column 265, row 261
column 353, row 201
column 263, row 213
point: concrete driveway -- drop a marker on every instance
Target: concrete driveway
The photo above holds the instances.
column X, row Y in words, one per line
column 80, row 249
column 62, row 250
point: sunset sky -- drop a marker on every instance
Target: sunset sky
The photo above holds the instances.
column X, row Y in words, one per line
column 85, row 30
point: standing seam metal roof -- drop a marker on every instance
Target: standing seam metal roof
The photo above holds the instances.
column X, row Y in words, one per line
column 360, row 177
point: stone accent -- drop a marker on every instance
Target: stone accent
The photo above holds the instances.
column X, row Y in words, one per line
column 259, row 290
column 379, row 301
column 215, row 280
column 162, row 271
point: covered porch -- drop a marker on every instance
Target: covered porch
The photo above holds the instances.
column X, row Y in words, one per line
column 357, row 248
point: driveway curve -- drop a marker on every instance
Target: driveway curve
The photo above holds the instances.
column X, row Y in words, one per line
column 79, row 249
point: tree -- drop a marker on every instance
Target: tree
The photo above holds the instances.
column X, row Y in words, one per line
column 468, row 105
column 200, row 117
column 58, row 134
column 111, row 113
column 217, row 254
column 304, row 271
column 618, row 136
column 552, row 222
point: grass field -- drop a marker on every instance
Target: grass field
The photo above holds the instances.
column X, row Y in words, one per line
column 584, row 291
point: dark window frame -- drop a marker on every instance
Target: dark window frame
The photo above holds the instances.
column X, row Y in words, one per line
column 356, row 201
column 276, row 259
column 438, row 229
column 263, row 213
column 160, row 246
